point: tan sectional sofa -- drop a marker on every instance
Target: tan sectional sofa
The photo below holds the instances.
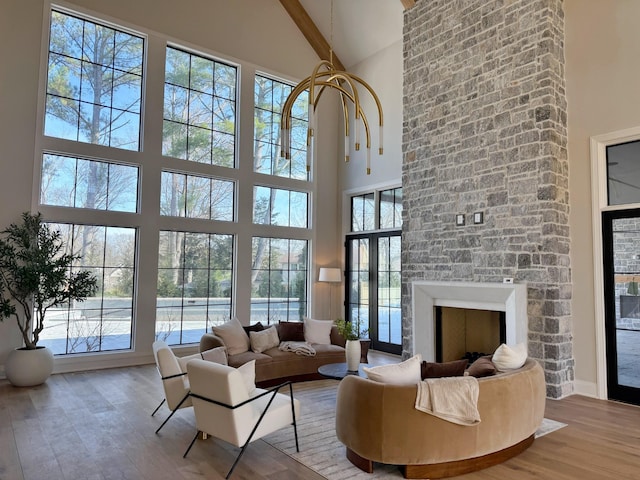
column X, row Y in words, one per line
column 274, row 365
column 378, row 423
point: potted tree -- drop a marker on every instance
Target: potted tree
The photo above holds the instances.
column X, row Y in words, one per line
column 353, row 349
column 35, row 275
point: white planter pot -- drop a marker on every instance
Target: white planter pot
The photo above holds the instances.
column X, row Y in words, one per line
column 27, row 368
column 352, row 350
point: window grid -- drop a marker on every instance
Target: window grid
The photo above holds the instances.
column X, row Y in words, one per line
column 104, row 321
column 390, row 215
column 94, row 89
column 195, row 196
column 279, row 279
column 199, row 109
column 269, row 98
column 195, row 279
column 274, row 206
column 81, row 183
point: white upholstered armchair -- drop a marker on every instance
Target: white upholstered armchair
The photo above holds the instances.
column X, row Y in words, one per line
column 229, row 407
column 174, row 379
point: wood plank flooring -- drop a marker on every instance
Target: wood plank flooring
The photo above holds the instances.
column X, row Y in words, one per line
column 97, row 426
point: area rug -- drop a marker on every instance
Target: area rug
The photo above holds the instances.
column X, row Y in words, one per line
column 320, row 450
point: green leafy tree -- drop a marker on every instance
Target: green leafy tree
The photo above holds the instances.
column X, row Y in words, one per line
column 35, row 275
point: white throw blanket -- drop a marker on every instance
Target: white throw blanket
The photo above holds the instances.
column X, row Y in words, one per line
column 454, row 399
column 299, row 348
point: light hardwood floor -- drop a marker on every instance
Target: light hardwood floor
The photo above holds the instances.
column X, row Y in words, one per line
column 97, row 426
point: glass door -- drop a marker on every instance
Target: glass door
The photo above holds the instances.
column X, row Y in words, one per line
column 373, row 288
column 621, row 242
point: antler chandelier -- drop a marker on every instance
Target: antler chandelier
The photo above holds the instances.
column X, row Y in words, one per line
column 325, row 75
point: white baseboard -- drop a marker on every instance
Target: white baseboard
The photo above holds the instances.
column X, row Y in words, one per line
column 588, row 389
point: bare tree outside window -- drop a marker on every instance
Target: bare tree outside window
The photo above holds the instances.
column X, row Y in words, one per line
column 94, row 84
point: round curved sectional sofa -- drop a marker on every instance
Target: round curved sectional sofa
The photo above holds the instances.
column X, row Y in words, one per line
column 378, row 422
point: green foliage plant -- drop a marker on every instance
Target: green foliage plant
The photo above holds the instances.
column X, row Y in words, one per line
column 35, row 275
column 348, row 330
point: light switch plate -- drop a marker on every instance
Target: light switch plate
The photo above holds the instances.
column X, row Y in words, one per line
column 460, row 219
column 478, row 218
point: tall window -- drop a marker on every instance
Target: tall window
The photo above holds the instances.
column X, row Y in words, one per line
column 93, row 96
column 199, row 109
column 269, row 99
column 278, row 280
column 103, row 321
column 195, row 273
column 279, row 273
column 94, row 83
column 373, row 267
column 195, row 268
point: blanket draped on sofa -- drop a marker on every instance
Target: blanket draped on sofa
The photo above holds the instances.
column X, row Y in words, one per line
column 454, row 399
column 300, row 348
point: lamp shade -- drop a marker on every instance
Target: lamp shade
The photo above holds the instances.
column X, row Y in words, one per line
column 333, row 275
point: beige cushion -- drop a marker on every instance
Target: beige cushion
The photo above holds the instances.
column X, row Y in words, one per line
column 217, row 355
column 248, row 372
column 509, row 358
column 264, row 340
column 317, row 331
column 404, row 373
column 233, row 335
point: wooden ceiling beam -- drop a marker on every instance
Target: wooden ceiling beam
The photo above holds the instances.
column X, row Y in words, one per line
column 407, row 4
column 310, row 31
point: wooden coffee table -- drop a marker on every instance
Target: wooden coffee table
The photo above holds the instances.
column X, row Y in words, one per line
column 339, row 370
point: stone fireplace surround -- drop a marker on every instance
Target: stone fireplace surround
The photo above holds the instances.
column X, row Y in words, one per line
column 499, row 297
column 485, row 130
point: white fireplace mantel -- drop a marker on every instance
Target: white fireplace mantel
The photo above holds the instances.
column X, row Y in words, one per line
column 510, row 298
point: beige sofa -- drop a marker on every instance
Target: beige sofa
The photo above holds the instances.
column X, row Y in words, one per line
column 274, row 365
column 378, row 423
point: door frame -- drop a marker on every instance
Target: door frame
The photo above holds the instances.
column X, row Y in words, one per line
column 615, row 390
column 373, row 237
column 599, row 204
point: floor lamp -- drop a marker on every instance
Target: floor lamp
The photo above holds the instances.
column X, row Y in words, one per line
column 330, row 275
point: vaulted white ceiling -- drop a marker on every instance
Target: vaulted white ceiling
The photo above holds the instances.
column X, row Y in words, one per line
column 361, row 28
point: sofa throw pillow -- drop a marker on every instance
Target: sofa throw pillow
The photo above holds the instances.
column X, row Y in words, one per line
column 256, row 327
column 233, row 335
column 291, row 331
column 248, row 372
column 482, row 367
column 317, row 331
column 509, row 357
column 455, row 368
column 217, row 355
column 264, row 340
column 404, row 373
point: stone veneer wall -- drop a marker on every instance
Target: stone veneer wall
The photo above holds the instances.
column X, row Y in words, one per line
column 485, row 131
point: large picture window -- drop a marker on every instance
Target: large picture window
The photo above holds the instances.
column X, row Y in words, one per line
column 103, row 321
column 269, row 97
column 278, row 280
column 195, row 279
column 199, row 109
column 94, row 83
